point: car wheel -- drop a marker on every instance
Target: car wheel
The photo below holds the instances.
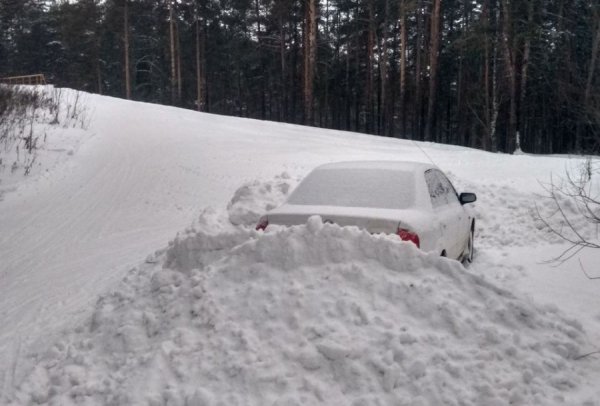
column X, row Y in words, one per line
column 467, row 256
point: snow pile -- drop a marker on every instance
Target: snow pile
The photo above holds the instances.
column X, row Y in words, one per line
column 515, row 222
column 208, row 239
column 564, row 208
column 215, row 232
column 312, row 314
column 521, row 219
column 517, row 218
column 253, row 199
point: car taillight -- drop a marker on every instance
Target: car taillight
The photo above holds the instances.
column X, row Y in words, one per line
column 262, row 224
column 406, row 235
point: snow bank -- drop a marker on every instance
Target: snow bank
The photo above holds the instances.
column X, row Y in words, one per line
column 254, row 199
column 214, row 231
column 206, row 240
column 312, row 314
column 518, row 219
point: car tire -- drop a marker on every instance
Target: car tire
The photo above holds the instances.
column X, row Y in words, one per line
column 469, row 251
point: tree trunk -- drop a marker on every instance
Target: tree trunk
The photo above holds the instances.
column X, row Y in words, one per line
column 283, row 116
column 357, row 69
column 198, row 77
column 357, row 65
column 98, row 66
column 462, row 128
column 263, row 102
column 524, row 69
column 383, row 113
column 310, row 42
column 178, row 53
column 593, row 60
column 433, row 67
column 325, row 108
column 417, row 119
column 588, row 85
column 369, row 79
column 172, row 48
column 495, row 101
column 510, row 66
column 348, row 100
column 200, row 67
column 485, row 17
column 98, row 77
column 293, row 76
column 403, row 46
column 126, row 47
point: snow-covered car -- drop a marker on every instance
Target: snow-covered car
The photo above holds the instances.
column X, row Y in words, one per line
column 415, row 201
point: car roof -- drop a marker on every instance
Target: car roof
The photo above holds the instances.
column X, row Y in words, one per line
column 404, row 166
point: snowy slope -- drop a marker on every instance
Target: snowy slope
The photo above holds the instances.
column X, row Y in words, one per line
column 141, row 173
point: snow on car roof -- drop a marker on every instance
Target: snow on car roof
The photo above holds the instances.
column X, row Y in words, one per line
column 405, row 166
column 372, row 184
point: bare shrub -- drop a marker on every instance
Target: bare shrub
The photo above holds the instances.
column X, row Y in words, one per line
column 574, row 210
column 26, row 111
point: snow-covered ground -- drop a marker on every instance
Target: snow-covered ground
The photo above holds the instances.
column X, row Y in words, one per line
column 130, row 274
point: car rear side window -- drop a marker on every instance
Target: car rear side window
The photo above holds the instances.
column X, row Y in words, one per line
column 441, row 191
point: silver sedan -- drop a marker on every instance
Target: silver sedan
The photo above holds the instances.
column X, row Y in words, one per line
column 414, row 201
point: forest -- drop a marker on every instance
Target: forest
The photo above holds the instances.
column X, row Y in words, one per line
column 500, row 75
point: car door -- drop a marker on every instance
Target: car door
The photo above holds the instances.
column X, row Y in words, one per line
column 448, row 211
column 460, row 220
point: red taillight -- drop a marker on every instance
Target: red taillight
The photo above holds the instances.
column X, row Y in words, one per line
column 262, row 224
column 406, row 235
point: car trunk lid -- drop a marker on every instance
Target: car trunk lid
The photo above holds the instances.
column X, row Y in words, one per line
column 372, row 220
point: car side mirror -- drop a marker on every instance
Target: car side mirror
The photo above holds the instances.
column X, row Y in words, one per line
column 465, row 198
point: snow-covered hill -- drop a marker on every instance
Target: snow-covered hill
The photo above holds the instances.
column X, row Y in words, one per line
column 96, row 307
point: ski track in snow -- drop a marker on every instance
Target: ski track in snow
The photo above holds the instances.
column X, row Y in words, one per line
column 143, row 172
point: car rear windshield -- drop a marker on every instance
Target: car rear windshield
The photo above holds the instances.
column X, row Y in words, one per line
column 373, row 188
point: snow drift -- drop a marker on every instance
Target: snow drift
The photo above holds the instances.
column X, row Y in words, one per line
column 312, row 314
